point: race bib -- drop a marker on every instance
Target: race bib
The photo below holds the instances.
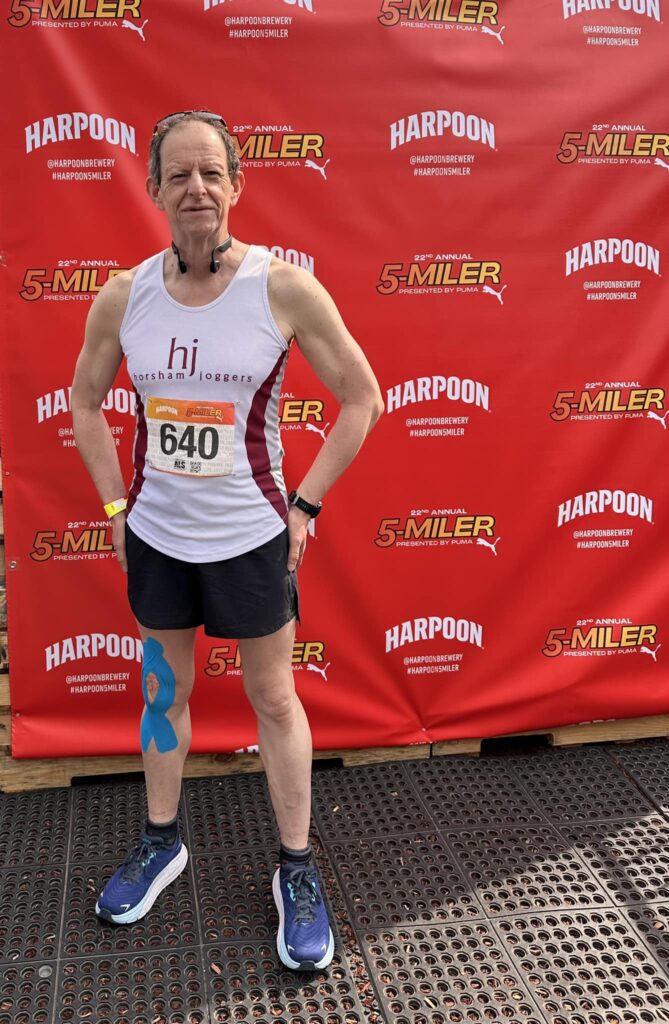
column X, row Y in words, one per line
column 190, row 438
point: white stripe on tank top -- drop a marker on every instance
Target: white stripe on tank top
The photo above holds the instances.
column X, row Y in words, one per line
column 229, row 351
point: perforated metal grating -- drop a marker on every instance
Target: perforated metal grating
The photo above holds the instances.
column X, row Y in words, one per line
column 630, row 858
column 246, row 982
column 357, row 803
column 409, row 879
column 464, row 793
column 587, row 968
column 449, row 974
column 519, row 870
column 578, row 785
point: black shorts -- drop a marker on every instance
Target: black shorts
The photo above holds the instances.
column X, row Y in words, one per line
column 238, row 598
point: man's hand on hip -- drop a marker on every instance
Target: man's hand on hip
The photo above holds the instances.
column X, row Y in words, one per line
column 118, row 539
column 298, row 522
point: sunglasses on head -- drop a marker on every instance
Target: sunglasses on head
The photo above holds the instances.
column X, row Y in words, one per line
column 170, row 119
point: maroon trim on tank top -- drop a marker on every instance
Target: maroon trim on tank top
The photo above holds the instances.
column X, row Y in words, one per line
column 256, row 442
column 140, row 454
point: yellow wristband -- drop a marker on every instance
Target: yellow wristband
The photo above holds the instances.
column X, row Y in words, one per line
column 114, row 507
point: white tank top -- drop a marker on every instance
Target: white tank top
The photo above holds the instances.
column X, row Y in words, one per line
column 208, row 482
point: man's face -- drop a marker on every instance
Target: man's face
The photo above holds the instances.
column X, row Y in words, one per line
column 195, row 190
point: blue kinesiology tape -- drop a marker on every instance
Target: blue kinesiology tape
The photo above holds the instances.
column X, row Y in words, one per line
column 155, row 723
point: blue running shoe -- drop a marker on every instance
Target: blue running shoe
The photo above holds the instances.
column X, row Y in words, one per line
column 133, row 889
column 304, row 941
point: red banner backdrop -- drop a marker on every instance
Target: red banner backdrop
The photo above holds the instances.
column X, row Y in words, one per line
column 482, row 186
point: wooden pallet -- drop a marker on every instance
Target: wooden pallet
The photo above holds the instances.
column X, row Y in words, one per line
column 21, row 775
column 615, row 730
column 29, row 774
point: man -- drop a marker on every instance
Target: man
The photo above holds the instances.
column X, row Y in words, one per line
column 207, row 533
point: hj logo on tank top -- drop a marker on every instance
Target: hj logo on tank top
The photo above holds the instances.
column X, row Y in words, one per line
column 422, row 638
column 619, row 144
column 611, row 400
column 80, row 14
column 253, row 25
column 444, row 15
column 438, row 528
column 407, row 132
column 617, row 24
column 615, row 511
column 91, row 141
column 280, row 145
column 601, row 638
column 443, row 273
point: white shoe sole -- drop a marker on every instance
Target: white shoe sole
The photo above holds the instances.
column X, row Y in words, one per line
column 284, row 956
column 160, row 882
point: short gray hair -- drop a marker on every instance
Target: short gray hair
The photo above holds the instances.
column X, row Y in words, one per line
column 193, row 115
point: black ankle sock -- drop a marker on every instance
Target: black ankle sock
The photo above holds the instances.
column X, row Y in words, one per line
column 167, row 832
column 296, row 856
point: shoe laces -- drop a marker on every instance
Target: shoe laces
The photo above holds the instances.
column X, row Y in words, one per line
column 143, row 853
column 302, row 884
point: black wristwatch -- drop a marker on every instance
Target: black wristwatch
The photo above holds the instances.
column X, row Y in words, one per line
column 298, row 502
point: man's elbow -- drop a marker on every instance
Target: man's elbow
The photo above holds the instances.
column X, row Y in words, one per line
column 378, row 408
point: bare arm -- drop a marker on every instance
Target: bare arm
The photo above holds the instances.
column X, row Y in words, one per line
column 340, row 364
column 96, row 369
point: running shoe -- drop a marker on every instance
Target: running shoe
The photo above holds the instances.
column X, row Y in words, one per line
column 304, row 941
column 133, row 889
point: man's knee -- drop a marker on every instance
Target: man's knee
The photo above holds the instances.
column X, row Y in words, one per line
column 273, row 700
column 162, row 692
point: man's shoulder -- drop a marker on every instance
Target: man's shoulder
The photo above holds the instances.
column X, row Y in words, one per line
column 289, row 284
column 112, row 299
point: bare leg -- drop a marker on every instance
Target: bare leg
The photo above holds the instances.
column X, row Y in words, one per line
column 163, row 771
column 284, row 736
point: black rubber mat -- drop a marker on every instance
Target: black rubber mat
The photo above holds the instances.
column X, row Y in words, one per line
column 541, row 899
column 463, row 792
column 648, row 764
column 34, row 828
column 31, row 901
column 146, row 988
column 234, row 894
column 106, row 820
column 631, row 858
column 578, row 785
column 515, row 871
column 587, row 968
column 458, row 974
column 171, row 923
column 26, row 993
column 410, row 879
column 652, row 924
column 246, row 982
column 230, row 811
column 356, row 803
